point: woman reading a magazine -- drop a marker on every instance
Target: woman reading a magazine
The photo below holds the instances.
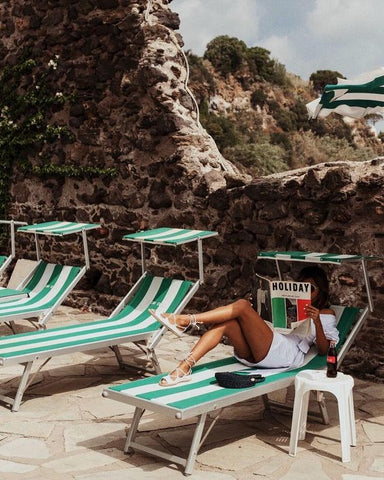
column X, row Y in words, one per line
column 255, row 343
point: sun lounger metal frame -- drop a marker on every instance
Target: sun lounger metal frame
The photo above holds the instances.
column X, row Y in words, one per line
column 169, row 237
column 7, row 259
column 53, row 281
column 129, row 322
column 208, row 397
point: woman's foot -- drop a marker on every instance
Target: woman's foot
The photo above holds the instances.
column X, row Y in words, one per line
column 182, row 373
column 177, row 324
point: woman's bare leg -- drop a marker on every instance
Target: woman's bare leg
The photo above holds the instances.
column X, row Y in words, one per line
column 239, row 308
column 248, row 333
column 257, row 333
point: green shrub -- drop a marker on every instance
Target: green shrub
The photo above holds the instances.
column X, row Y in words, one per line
column 259, row 61
column 221, row 129
column 273, row 106
column 249, row 125
column 199, row 74
column 259, row 158
column 320, row 78
column 310, row 149
column 258, row 97
column 226, row 53
column 286, row 120
column 279, row 74
column 282, row 139
column 301, row 115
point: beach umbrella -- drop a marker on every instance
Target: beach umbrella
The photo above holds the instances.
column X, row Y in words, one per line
column 354, row 98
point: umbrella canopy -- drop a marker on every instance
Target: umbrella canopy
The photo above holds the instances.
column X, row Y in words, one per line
column 354, row 98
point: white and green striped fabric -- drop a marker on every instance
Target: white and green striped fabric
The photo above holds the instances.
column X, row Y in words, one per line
column 169, row 236
column 57, row 228
column 3, row 258
column 313, row 257
column 133, row 323
column 45, row 290
column 354, row 98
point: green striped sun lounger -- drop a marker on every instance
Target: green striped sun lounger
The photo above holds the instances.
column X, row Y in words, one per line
column 3, row 264
column 130, row 322
column 202, row 395
column 44, row 291
column 48, row 285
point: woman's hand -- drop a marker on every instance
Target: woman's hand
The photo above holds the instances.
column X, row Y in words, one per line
column 313, row 313
column 321, row 342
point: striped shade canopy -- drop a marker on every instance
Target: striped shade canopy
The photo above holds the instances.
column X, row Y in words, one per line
column 169, row 236
column 57, row 228
column 314, row 257
column 354, row 98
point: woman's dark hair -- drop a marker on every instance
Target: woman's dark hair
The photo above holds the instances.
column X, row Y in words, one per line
column 320, row 278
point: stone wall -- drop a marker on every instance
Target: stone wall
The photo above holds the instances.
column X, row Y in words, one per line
column 134, row 112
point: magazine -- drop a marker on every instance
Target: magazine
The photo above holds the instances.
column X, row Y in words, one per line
column 283, row 303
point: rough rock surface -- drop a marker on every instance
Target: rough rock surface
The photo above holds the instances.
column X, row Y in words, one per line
column 135, row 113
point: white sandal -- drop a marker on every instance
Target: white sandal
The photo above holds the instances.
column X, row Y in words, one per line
column 181, row 376
column 173, row 327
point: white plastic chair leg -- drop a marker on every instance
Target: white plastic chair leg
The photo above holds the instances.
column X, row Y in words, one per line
column 352, row 420
column 297, row 419
column 304, row 415
column 345, row 427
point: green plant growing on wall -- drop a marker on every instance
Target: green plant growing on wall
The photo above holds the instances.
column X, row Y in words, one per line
column 29, row 103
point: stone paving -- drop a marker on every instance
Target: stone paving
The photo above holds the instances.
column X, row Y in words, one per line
column 65, row 429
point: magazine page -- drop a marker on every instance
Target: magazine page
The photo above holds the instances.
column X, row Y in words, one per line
column 261, row 298
column 288, row 302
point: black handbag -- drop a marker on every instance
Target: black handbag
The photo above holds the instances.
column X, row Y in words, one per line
column 237, row 380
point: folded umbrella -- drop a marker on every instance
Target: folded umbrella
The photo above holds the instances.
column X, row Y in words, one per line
column 354, row 98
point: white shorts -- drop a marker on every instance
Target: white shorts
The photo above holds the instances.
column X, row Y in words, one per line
column 283, row 352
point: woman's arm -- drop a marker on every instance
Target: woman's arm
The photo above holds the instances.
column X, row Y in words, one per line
column 321, row 341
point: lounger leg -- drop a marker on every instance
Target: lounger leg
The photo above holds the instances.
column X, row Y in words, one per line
column 22, row 386
column 155, row 362
column 195, row 445
column 133, row 428
column 119, row 357
column 12, row 326
column 266, row 402
column 149, row 350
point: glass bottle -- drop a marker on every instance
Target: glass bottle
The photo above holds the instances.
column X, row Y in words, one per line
column 332, row 360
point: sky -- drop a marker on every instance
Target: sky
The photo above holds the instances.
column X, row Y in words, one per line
column 304, row 35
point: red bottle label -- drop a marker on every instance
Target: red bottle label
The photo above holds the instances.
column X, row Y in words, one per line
column 331, row 359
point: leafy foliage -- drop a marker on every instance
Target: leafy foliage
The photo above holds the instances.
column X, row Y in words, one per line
column 258, row 97
column 226, row 53
column 320, row 78
column 229, row 54
column 221, row 129
column 259, row 158
column 29, row 101
column 259, row 62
